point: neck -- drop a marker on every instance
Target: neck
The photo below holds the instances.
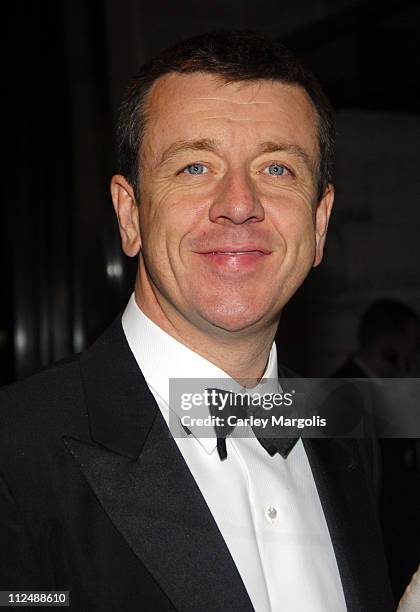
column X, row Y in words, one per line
column 241, row 354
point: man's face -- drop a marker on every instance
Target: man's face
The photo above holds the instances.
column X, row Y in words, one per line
column 228, row 217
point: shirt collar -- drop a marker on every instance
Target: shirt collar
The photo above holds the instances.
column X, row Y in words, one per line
column 161, row 357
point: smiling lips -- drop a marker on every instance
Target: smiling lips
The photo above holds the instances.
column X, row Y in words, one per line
column 235, row 259
column 236, row 250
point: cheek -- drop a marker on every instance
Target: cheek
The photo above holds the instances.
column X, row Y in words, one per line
column 176, row 210
column 167, row 198
column 294, row 222
column 155, row 214
column 164, row 223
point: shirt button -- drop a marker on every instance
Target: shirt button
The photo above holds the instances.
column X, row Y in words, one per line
column 271, row 513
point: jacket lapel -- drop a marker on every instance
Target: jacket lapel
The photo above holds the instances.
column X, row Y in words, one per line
column 348, row 501
column 141, row 480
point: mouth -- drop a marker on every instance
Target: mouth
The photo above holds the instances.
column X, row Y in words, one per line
column 231, row 250
column 229, row 259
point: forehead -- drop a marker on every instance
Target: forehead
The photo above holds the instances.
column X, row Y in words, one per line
column 195, row 105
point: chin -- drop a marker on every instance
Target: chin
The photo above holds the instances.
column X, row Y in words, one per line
column 233, row 318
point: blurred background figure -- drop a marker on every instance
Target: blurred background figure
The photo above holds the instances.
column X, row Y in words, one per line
column 388, row 347
column 388, row 343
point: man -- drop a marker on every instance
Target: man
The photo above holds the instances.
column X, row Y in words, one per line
column 225, row 193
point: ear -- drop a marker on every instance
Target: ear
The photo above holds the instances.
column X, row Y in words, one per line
column 125, row 207
column 322, row 216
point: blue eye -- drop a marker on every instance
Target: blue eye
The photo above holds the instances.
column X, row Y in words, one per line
column 277, row 170
column 195, row 169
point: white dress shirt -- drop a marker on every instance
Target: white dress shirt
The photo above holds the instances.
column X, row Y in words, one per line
column 266, row 508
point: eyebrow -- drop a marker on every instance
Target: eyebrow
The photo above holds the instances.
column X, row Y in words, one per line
column 204, row 144
column 208, row 144
column 287, row 147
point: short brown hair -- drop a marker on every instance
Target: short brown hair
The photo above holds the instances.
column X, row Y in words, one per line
column 234, row 55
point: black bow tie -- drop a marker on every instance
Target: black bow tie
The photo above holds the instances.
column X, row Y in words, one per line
column 232, row 407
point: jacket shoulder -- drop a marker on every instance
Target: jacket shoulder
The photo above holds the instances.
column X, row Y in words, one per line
column 45, row 401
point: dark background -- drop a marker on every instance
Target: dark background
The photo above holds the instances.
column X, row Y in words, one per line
column 64, row 277
column 65, row 66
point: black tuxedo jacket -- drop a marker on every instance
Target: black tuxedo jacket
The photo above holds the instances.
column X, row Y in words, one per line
column 95, row 498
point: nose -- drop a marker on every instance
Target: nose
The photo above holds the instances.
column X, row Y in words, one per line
column 236, row 201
